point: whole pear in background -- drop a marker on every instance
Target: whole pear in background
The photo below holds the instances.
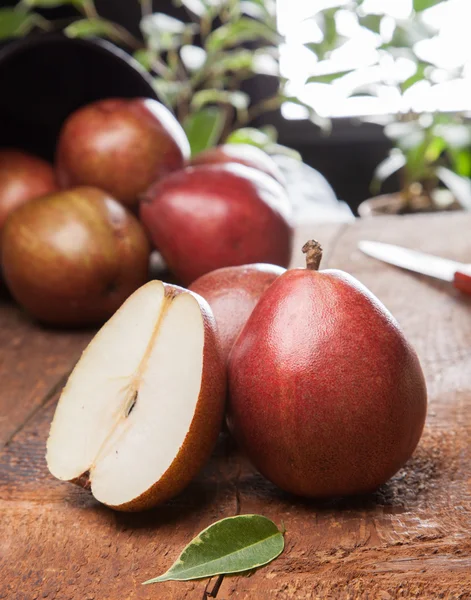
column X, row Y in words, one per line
column 243, row 154
column 22, row 178
column 121, row 146
column 213, row 216
column 71, row 258
column 327, row 397
column 232, row 294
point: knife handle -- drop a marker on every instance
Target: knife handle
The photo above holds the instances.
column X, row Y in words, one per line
column 462, row 281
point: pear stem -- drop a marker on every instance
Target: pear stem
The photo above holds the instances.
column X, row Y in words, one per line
column 313, row 252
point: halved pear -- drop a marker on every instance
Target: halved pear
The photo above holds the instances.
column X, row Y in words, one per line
column 142, row 409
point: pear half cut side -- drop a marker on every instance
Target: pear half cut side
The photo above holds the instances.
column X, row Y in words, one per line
column 142, row 409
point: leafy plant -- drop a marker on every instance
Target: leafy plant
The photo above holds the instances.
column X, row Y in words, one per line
column 430, row 151
column 198, row 66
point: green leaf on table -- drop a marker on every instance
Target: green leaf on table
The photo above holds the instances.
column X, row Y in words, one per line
column 243, row 30
column 232, row 545
column 239, row 100
column 14, row 23
column 420, row 5
column 203, row 128
column 84, row 28
column 327, row 78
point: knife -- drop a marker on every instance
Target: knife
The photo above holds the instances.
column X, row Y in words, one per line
column 457, row 273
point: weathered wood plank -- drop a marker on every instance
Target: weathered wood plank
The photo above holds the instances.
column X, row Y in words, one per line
column 410, row 539
column 33, row 360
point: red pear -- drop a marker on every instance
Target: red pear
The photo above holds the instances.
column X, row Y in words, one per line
column 327, row 397
column 22, row 178
column 208, row 217
column 121, row 146
column 244, row 154
column 73, row 257
column 232, row 294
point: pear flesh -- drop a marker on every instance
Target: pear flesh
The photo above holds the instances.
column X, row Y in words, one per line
column 143, row 407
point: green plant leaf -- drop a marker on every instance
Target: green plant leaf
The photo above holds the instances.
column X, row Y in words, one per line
column 434, row 149
column 232, row 545
column 54, row 3
column 231, row 60
column 14, row 23
column 253, row 9
column 169, row 92
column 243, row 30
column 419, row 75
column 262, row 7
column 239, row 100
column 193, row 57
column 459, row 186
column 196, row 7
column 274, row 149
column 460, row 160
column 407, row 34
column 250, row 135
column 327, row 78
column 420, row 5
column 204, row 128
column 390, row 165
column 84, row 28
column 371, row 22
column 144, row 57
column 323, row 123
column 163, row 32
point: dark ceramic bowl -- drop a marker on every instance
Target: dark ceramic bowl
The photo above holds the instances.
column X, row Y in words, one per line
column 44, row 78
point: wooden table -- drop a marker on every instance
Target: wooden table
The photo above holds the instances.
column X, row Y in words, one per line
column 411, row 539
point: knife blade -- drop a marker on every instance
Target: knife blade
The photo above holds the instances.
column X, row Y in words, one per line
column 452, row 271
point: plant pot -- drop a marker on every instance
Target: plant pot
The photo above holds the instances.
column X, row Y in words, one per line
column 386, row 204
column 45, row 77
column 394, row 204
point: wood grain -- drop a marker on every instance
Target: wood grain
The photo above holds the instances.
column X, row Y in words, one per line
column 32, row 361
column 411, row 539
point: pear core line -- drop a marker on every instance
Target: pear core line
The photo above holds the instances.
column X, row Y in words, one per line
column 313, row 251
column 134, row 384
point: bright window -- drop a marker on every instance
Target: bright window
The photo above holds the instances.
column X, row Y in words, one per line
column 448, row 48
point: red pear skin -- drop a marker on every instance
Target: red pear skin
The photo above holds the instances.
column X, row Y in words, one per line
column 22, row 178
column 327, row 397
column 208, row 217
column 121, row 146
column 232, row 294
column 73, row 257
column 243, row 154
